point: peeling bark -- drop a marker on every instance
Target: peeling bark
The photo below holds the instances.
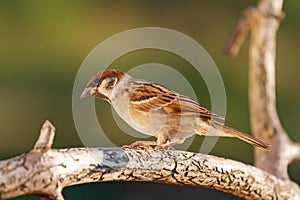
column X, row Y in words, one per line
column 45, row 172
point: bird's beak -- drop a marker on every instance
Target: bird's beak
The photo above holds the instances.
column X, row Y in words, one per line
column 87, row 92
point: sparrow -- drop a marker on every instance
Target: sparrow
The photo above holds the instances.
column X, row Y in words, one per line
column 155, row 110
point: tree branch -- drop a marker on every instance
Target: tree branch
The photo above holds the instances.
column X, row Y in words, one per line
column 45, row 172
column 264, row 22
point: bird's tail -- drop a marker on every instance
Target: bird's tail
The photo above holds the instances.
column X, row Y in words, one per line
column 231, row 132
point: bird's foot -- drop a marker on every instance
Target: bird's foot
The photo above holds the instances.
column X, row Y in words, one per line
column 165, row 147
column 141, row 145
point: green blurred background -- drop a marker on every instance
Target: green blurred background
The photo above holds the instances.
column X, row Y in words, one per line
column 43, row 44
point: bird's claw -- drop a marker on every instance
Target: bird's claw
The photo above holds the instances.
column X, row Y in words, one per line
column 164, row 147
column 146, row 145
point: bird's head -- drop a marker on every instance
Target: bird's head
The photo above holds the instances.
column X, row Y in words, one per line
column 102, row 84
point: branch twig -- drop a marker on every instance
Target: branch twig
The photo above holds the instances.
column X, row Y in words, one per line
column 47, row 171
column 46, row 137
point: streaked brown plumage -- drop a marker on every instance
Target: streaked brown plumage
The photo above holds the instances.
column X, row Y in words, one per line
column 158, row 111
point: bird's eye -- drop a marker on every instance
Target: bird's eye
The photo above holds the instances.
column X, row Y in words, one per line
column 97, row 80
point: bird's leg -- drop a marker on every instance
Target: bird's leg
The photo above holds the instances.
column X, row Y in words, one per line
column 170, row 143
column 163, row 142
column 167, row 146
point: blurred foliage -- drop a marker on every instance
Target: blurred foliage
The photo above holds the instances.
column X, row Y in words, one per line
column 43, row 44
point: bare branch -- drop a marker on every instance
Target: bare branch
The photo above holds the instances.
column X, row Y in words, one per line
column 264, row 22
column 238, row 36
column 293, row 152
column 46, row 172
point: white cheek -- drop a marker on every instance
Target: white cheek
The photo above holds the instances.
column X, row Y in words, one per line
column 103, row 90
column 99, row 90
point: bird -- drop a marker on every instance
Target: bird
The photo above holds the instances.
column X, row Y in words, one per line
column 155, row 110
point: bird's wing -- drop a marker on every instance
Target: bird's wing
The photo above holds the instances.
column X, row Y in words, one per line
column 156, row 98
